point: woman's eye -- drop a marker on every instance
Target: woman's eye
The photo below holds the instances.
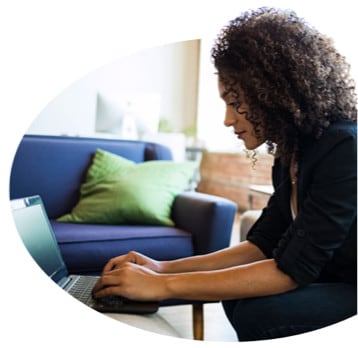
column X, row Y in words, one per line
column 233, row 104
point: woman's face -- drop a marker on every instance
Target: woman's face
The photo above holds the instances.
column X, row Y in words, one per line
column 235, row 118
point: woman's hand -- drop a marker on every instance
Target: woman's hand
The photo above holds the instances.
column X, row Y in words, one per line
column 133, row 257
column 131, row 280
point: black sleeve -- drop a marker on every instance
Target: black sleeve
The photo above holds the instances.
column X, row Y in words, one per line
column 269, row 227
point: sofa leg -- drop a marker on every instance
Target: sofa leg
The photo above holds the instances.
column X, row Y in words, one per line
column 198, row 321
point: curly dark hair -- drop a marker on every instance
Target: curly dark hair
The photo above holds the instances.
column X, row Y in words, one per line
column 294, row 80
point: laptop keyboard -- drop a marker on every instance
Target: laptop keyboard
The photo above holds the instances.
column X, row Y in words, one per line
column 82, row 287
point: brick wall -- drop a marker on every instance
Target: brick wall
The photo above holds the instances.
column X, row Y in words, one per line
column 230, row 174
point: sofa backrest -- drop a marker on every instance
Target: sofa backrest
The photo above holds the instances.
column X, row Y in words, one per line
column 55, row 166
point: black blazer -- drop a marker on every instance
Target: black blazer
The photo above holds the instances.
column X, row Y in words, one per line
column 320, row 245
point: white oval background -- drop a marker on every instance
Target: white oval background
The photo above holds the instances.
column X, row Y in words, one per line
column 48, row 45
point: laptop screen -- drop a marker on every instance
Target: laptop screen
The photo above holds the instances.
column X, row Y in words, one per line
column 36, row 233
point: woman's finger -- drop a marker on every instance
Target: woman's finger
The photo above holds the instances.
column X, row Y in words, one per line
column 106, row 280
column 107, row 291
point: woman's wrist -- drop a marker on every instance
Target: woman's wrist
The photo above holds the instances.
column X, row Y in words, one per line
column 165, row 267
column 172, row 285
column 177, row 266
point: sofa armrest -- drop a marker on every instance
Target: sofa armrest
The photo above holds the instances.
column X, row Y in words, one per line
column 209, row 218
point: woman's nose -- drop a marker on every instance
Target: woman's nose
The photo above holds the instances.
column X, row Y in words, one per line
column 229, row 119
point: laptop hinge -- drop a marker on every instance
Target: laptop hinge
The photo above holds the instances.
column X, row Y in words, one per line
column 64, row 282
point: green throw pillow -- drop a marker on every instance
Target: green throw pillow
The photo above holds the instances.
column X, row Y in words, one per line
column 119, row 191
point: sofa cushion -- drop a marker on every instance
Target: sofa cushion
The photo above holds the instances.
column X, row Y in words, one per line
column 87, row 248
column 119, row 191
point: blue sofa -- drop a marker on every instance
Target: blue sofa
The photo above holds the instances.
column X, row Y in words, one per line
column 54, row 168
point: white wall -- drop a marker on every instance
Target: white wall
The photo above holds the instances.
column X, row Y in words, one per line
column 170, row 71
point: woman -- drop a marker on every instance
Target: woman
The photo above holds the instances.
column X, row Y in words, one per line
column 285, row 85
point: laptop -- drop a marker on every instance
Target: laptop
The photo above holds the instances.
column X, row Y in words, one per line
column 36, row 232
